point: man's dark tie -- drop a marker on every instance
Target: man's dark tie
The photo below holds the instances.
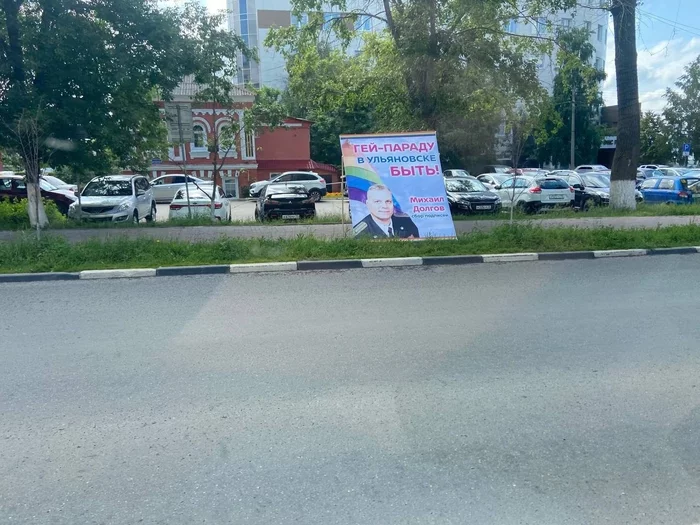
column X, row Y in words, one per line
column 391, row 232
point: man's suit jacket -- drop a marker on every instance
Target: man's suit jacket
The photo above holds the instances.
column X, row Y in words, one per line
column 402, row 226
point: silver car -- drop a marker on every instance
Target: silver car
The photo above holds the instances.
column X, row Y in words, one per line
column 116, row 198
column 166, row 186
column 314, row 184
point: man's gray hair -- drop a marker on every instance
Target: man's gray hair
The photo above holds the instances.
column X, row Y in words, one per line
column 378, row 187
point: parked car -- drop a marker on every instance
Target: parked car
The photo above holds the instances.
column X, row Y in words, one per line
column 532, row 194
column 491, row 180
column 652, row 166
column 166, row 186
column 286, row 202
column 58, row 183
column 456, row 173
column 314, row 184
column 468, row 195
column 669, row 190
column 673, row 172
column 592, row 189
column 14, row 187
column 533, row 172
column 200, row 202
column 116, row 198
column 591, row 167
column 497, row 168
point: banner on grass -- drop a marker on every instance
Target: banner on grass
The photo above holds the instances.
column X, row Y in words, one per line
column 395, row 186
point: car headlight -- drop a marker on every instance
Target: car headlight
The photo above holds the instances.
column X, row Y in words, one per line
column 498, row 200
column 124, row 206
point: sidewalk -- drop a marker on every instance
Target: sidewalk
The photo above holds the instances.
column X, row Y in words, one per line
column 332, row 231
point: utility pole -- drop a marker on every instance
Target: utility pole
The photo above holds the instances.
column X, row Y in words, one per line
column 572, row 159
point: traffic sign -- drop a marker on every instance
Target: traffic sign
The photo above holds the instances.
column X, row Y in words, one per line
column 686, row 150
column 178, row 117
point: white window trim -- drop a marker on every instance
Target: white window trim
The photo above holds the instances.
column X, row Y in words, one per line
column 200, row 152
column 242, row 134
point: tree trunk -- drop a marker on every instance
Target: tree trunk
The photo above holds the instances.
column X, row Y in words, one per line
column 624, row 168
column 37, row 214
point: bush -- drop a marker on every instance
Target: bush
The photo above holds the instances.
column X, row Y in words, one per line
column 15, row 216
column 245, row 192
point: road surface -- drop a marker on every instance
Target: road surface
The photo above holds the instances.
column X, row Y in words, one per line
column 528, row 393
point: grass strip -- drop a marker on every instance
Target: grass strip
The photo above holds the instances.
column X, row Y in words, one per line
column 56, row 254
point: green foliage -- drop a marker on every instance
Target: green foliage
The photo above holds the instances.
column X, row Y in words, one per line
column 682, row 111
column 446, row 65
column 57, row 254
column 13, row 215
column 656, row 140
column 575, row 74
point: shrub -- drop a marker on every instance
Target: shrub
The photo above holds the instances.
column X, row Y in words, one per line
column 14, row 215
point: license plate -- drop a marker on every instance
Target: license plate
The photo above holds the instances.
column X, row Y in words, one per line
column 483, row 207
column 290, row 216
column 557, row 197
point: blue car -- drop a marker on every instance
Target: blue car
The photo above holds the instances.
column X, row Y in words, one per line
column 669, row 190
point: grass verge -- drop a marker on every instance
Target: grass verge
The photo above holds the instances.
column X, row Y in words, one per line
column 56, row 254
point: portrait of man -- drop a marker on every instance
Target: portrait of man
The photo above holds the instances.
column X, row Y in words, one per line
column 382, row 222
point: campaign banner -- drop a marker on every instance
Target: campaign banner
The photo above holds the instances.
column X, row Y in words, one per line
column 395, row 186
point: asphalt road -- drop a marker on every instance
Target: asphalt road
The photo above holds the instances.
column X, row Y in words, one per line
column 528, row 393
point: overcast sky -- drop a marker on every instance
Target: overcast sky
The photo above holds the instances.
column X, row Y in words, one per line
column 668, row 38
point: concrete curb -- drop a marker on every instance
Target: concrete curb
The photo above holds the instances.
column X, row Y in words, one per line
column 341, row 264
column 118, row 274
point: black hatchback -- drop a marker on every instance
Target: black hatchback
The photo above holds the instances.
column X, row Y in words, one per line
column 469, row 195
column 282, row 201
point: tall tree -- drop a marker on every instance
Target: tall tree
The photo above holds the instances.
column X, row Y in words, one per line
column 624, row 168
column 656, row 145
column 448, row 65
column 682, row 111
column 577, row 87
column 77, row 79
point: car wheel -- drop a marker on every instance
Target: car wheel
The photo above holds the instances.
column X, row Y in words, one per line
column 136, row 217
column 315, row 195
column 522, row 207
column 152, row 216
column 62, row 208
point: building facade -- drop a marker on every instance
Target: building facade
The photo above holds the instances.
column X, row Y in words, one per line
column 253, row 19
column 258, row 154
column 587, row 15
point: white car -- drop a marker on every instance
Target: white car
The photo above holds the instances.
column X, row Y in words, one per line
column 165, row 187
column 675, row 172
column 491, row 180
column 314, row 184
column 200, row 203
column 532, row 194
column 116, row 198
column 591, row 167
column 652, row 166
column 58, row 183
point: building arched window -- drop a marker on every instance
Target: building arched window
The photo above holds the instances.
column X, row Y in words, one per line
column 199, row 136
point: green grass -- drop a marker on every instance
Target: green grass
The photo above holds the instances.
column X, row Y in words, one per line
column 53, row 253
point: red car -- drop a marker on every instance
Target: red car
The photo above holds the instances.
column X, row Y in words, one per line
column 14, row 187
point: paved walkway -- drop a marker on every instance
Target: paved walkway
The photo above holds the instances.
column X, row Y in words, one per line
column 330, row 231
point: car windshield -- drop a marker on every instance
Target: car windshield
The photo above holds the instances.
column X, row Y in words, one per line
column 464, row 185
column 46, row 186
column 107, row 188
column 459, row 173
column 280, row 189
column 501, row 169
column 595, row 181
column 195, row 193
column 552, row 184
column 53, row 180
column 498, row 178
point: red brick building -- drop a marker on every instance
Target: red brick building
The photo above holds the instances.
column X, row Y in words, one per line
column 258, row 154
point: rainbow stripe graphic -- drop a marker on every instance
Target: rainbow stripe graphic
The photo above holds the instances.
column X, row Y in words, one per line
column 359, row 178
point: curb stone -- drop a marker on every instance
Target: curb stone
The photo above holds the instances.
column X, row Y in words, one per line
column 341, row 264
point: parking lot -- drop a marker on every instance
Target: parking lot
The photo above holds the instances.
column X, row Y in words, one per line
column 244, row 209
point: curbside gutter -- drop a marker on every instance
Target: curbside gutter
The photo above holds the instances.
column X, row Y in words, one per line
column 340, row 264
